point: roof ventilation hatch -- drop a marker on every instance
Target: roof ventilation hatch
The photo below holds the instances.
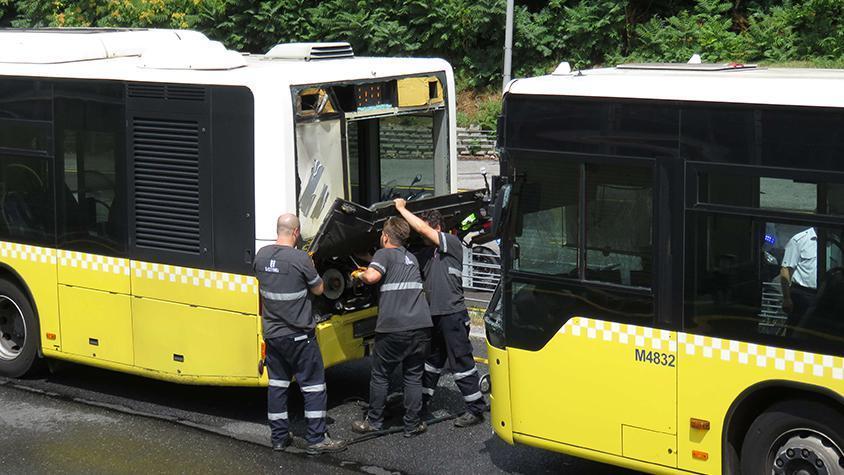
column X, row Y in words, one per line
column 311, row 51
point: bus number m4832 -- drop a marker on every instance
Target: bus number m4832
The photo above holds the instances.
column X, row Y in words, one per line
column 654, row 357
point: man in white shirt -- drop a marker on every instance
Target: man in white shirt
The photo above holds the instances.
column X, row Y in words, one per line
column 799, row 274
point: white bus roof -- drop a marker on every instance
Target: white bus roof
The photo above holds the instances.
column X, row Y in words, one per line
column 752, row 85
column 183, row 56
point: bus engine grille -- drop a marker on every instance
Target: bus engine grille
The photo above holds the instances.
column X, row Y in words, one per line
column 166, row 184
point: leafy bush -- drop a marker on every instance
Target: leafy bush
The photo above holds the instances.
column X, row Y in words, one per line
column 110, row 13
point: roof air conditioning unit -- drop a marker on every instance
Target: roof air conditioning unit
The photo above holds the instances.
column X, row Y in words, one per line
column 311, row 51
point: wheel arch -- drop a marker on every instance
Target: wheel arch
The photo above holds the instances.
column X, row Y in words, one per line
column 13, row 276
column 756, row 399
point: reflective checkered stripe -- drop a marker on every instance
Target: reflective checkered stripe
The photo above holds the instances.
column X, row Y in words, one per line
column 759, row 356
column 798, row 363
column 611, row 332
column 205, row 288
column 195, row 277
column 23, row 252
column 93, row 262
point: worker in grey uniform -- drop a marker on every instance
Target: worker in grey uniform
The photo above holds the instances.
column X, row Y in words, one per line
column 442, row 265
column 402, row 331
column 285, row 276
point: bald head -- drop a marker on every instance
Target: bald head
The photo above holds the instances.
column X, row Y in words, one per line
column 286, row 225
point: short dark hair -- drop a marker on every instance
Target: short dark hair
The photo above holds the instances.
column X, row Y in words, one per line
column 397, row 231
column 433, row 217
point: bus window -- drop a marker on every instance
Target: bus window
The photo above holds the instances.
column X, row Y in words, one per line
column 90, row 148
column 782, row 194
column 398, row 158
column 619, row 216
column 407, row 156
column 547, row 235
column 736, row 286
column 26, row 199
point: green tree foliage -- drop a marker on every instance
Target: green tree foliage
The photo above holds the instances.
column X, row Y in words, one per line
column 108, row 13
column 470, row 33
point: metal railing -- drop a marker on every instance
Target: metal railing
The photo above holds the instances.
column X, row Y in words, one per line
column 481, row 273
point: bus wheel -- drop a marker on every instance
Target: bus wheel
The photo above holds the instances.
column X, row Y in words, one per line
column 795, row 437
column 18, row 332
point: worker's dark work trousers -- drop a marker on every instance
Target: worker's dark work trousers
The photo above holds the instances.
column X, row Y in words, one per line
column 296, row 356
column 803, row 299
column 407, row 348
column 450, row 342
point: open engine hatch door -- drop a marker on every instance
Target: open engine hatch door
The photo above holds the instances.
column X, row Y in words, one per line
column 350, row 229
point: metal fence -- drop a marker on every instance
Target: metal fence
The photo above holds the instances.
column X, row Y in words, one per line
column 474, row 142
column 481, row 273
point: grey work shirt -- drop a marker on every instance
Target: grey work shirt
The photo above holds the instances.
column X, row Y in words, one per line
column 285, row 276
column 443, row 272
column 401, row 305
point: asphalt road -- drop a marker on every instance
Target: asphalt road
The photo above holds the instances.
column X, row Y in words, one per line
column 85, row 420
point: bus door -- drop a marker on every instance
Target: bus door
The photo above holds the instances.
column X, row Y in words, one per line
column 94, row 283
column 587, row 367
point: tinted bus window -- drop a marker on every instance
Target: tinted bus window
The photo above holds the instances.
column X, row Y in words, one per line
column 90, row 148
column 764, row 281
column 619, row 222
column 26, row 199
column 26, row 99
column 538, row 309
column 781, row 194
column 547, row 232
column 797, row 138
column 592, row 126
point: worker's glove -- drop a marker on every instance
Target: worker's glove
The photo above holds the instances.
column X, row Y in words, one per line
column 357, row 273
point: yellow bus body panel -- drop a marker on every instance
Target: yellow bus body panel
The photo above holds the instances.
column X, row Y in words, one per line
column 649, row 446
column 588, row 453
column 181, row 339
column 585, row 384
column 499, row 397
column 202, row 288
column 337, row 342
column 98, row 324
column 576, row 394
column 171, row 323
column 110, row 274
column 36, row 266
column 714, row 372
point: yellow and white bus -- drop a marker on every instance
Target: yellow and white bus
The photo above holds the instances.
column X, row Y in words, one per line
column 140, row 170
column 649, row 214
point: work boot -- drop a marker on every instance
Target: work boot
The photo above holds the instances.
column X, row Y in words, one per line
column 364, row 427
column 285, row 443
column 418, row 429
column 468, row 419
column 328, row 445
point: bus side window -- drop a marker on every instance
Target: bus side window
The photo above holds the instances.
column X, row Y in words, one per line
column 619, row 223
column 547, row 233
column 737, row 287
column 26, row 199
column 90, row 147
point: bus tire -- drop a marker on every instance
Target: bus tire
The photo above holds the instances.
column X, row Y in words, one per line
column 795, row 435
column 18, row 332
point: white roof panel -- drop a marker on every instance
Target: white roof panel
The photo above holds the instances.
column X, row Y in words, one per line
column 86, row 56
column 799, row 87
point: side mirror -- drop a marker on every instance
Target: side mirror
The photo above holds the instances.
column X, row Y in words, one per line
column 499, row 211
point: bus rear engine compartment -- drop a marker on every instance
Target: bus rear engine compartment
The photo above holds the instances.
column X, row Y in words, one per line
column 350, row 234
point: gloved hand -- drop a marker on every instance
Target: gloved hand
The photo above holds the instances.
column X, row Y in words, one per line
column 357, row 273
